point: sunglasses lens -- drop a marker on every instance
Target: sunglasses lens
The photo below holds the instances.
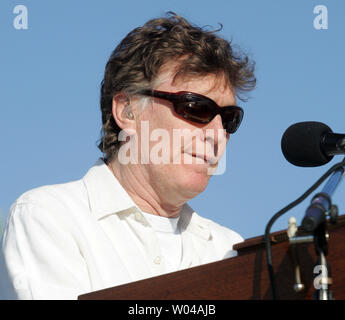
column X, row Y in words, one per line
column 199, row 111
column 232, row 118
column 203, row 112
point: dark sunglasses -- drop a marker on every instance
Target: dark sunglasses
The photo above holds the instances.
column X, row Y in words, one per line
column 198, row 108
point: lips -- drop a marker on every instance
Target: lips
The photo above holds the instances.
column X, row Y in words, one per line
column 205, row 158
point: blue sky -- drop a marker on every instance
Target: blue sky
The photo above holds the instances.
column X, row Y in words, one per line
column 49, row 83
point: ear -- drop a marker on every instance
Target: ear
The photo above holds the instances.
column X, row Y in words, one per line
column 122, row 112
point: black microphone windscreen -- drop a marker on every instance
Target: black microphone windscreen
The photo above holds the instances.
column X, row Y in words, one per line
column 301, row 144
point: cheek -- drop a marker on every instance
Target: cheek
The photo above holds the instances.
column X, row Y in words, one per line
column 166, row 126
column 163, row 130
column 160, row 118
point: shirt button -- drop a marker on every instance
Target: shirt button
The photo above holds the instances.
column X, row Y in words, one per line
column 157, row 260
column 138, row 216
column 19, row 283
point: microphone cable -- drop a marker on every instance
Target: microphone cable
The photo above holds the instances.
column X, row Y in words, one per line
column 280, row 213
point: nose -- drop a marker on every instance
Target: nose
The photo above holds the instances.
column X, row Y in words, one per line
column 216, row 122
column 217, row 125
column 216, row 135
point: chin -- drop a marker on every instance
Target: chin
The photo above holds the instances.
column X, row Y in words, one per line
column 196, row 181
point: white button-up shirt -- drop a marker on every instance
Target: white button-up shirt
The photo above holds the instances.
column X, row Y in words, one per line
column 64, row 240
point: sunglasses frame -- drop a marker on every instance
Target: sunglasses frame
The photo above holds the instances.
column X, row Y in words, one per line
column 183, row 97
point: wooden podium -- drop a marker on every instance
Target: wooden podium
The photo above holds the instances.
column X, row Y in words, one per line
column 245, row 276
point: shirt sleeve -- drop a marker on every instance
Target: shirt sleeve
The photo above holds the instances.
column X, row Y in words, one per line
column 39, row 256
column 233, row 238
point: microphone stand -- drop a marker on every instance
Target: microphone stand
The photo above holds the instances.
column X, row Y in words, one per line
column 314, row 221
column 330, row 189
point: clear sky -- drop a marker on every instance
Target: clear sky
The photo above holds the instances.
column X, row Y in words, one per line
column 50, row 75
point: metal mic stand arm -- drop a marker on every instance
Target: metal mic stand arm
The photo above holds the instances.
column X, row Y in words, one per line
column 321, row 204
column 314, row 221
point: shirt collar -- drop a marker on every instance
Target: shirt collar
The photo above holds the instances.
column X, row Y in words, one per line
column 193, row 223
column 107, row 197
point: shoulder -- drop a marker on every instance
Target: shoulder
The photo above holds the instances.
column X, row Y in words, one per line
column 51, row 193
column 48, row 201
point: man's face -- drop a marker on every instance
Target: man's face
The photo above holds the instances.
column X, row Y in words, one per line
column 188, row 164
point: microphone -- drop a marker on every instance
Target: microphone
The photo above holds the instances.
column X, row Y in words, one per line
column 311, row 144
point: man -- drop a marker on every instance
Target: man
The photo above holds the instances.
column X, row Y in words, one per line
column 127, row 219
